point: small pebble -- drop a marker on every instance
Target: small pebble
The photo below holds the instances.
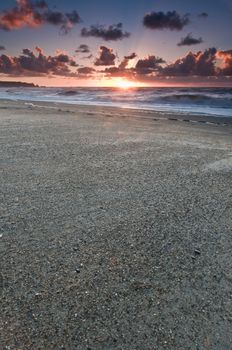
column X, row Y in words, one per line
column 197, row 252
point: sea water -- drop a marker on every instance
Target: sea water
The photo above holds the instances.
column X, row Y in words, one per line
column 206, row 101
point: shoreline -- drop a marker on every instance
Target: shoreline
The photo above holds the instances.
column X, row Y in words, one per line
column 130, row 112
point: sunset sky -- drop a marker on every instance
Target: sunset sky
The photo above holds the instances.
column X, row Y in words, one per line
column 110, row 43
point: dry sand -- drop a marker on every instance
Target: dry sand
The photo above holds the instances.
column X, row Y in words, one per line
column 115, row 229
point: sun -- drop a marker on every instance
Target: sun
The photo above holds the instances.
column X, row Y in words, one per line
column 122, row 83
column 125, row 84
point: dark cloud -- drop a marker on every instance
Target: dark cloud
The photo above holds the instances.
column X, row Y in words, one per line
column 203, row 15
column 86, row 70
column 83, row 48
column 126, row 60
column 170, row 20
column 149, row 65
column 113, row 72
column 189, row 40
column 86, row 73
column 113, row 32
column 2, row 48
column 31, row 63
column 201, row 63
column 31, row 14
column 106, row 57
column 131, row 57
column 209, row 63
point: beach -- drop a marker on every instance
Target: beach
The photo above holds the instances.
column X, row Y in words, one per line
column 115, row 228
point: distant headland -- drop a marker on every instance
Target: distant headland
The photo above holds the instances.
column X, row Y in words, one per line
column 16, row 84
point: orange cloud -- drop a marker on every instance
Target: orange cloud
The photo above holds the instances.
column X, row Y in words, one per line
column 33, row 14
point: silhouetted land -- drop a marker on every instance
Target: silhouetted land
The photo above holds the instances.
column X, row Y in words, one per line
column 16, row 84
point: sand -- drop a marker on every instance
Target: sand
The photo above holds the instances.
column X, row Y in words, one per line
column 115, row 229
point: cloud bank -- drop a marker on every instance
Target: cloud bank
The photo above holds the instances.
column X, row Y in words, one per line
column 36, row 63
column 203, row 64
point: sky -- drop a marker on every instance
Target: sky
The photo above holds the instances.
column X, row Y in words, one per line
column 116, row 43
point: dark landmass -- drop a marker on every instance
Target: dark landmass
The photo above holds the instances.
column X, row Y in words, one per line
column 16, row 84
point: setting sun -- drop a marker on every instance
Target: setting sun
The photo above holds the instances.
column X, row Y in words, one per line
column 125, row 84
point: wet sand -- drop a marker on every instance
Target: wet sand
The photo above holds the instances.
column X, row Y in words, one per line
column 115, row 229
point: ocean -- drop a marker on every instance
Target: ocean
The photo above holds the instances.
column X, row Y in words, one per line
column 198, row 101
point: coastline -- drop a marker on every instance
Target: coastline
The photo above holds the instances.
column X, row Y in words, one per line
column 124, row 112
column 115, row 229
column 215, row 102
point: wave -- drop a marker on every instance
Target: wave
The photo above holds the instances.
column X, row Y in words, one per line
column 216, row 101
column 68, row 93
column 197, row 98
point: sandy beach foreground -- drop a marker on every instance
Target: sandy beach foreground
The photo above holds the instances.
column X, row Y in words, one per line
column 115, row 229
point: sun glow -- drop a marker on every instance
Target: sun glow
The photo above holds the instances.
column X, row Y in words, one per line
column 125, row 84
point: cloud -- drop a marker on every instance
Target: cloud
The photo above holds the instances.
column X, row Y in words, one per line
column 189, row 40
column 106, row 57
column 144, row 67
column 86, row 70
column 83, row 48
column 201, row 63
column 226, row 66
column 36, row 63
column 126, row 60
column 170, row 20
column 38, row 49
column 203, row 15
column 119, row 72
column 31, row 14
column 149, row 65
column 113, row 32
column 130, row 57
column 207, row 65
column 2, row 48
